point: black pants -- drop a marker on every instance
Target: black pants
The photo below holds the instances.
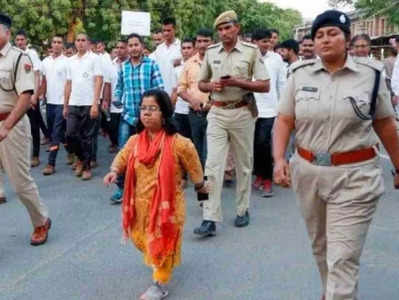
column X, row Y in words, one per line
column 198, row 124
column 80, row 132
column 56, row 127
column 95, row 138
column 113, row 128
column 36, row 123
column 263, row 161
column 183, row 125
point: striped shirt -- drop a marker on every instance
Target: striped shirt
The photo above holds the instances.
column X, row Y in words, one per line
column 133, row 81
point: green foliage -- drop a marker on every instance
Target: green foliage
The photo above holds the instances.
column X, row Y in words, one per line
column 41, row 19
column 389, row 8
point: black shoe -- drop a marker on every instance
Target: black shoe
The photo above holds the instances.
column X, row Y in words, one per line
column 207, row 228
column 242, row 221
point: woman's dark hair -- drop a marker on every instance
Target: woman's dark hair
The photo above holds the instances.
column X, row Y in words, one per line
column 163, row 100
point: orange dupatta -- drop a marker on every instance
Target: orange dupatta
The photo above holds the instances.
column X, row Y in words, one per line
column 162, row 231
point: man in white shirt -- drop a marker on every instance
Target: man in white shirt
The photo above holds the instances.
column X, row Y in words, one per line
column 81, row 105
column 182, row 108
column 267, row 106
column 168, row 54
column 54, row 69
column 34, row 114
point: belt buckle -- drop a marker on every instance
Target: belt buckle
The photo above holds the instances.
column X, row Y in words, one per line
column 323, row 159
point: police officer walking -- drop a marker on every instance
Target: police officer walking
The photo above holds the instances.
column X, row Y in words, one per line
column 16, row 88
column 335, row 105
column 227, row 73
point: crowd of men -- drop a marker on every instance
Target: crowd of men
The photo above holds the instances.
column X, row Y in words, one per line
column 87, row 91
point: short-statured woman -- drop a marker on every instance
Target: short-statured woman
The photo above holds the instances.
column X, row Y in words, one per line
column 335, row 171
column 153, row 209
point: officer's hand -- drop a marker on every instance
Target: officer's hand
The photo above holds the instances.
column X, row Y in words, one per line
column 282, row 174
column 395, row 100
column 229, row 81
column 110, row 178
column 94, row 112
column 216, row 86
column 3, row 133
column 206, row 106
column 65, row 111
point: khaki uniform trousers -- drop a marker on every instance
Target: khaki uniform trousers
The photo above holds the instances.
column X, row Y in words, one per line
column 15, row 152
column 2, row 193
column 337, row 204
column 229, row 128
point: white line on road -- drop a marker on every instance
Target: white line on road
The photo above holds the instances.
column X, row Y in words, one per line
column 384, row 156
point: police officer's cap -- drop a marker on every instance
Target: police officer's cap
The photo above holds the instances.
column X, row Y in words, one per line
column 5, row 20
column 226, row 17
column 332, row 18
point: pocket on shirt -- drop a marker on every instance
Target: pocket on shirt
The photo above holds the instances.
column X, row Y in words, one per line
column 307, row 94
column 360, row 104
column 241, row 69
column 5, row 80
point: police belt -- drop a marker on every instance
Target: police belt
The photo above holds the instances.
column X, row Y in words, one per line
column 339, row 158
column 4, row 116
column 229, row 104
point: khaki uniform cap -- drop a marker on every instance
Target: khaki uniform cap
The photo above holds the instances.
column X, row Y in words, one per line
column 226, row 17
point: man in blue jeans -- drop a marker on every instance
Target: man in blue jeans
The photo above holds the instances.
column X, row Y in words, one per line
column 137, row 75
column 54, row 70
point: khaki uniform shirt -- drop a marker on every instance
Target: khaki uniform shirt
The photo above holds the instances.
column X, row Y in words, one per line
column 189, row 79
column 325, row 119
column 244, row 61
column 24, row 80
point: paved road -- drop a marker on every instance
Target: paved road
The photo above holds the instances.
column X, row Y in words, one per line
column 270, row 259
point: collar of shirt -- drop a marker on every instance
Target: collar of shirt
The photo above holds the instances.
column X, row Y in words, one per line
column 5, row 49
column 144, row 59
column 54, row 58
column 349, row 64
column 176, row 43
column 238, row 46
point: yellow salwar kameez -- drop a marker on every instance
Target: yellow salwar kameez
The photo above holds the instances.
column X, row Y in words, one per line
column 186, row 160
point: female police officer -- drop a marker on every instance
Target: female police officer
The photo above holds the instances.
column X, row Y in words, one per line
column 335, row 171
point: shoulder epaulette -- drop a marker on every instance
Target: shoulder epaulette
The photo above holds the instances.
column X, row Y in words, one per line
column 250, row 45
column 214, row 45
column 17, row 49
column 369, row 62
column 300, row 64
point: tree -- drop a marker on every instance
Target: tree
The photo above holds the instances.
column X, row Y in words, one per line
column 41, row 19
column 389, row 8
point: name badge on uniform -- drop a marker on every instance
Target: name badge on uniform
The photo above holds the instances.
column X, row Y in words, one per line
column 310, row 89
column 27, row 67
column 217, row 62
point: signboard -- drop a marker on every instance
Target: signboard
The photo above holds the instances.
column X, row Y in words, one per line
column 136, row 22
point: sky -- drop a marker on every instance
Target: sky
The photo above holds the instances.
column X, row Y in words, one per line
column 309, row 8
